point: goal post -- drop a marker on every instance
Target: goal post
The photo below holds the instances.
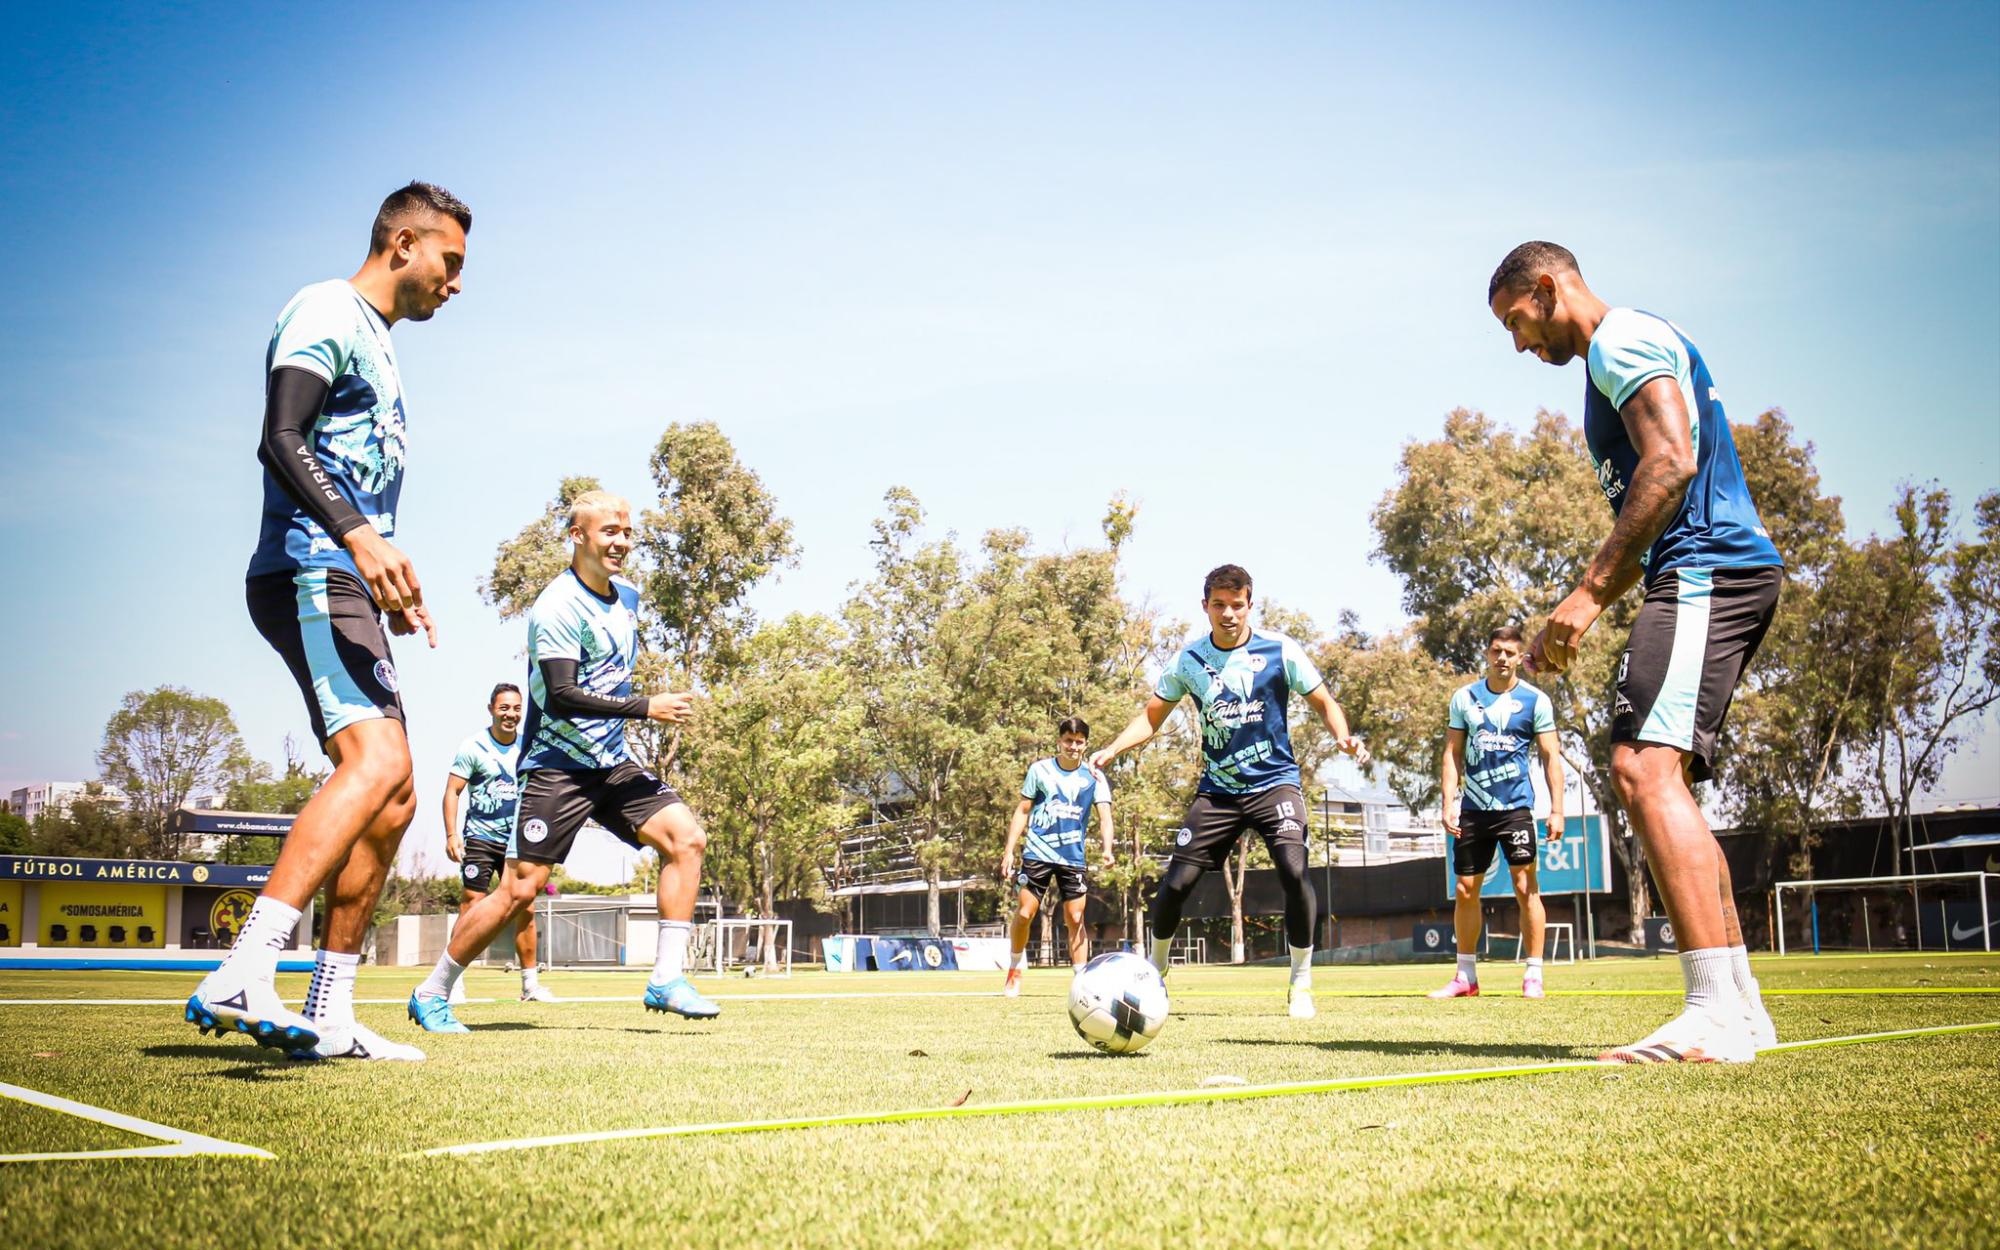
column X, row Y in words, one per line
column 742, row 941
column 1910, row 911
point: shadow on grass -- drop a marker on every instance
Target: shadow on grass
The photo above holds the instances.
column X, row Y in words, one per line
column 1093, row 1054
column 250, row 1065
column 505, row 1026
column 1492, row 1050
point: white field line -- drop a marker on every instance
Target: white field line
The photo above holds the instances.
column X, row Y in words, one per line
column 173, row 1142
column 596, row 998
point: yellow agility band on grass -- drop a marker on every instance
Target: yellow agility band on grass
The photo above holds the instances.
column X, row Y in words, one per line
column 1154, row 1099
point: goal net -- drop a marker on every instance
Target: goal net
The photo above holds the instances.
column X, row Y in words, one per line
column 1942, row 911
column 755, row 944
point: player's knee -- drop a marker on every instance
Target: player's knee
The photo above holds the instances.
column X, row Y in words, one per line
column 1466, row 890
column 1629, row 773
column 688, row 838
column 522, row 891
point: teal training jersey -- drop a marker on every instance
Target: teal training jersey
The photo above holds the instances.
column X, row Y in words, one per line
column 1241, row 694
column 1061, row 813
column 570, row 621
column 1499, row 730
column 487, row 766
column 360, row 439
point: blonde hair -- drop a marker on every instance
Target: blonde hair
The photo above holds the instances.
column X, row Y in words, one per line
column 595, row 501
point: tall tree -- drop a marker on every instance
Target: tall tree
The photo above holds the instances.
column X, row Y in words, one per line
column 257, row 789
column 1945, row 664
column 1487, row 528
column 1805, row 706
column 163, row 746
column 713, row 537
column 525, row 564
column 767, row 754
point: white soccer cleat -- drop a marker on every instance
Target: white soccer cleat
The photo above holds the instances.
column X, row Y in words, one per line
column 251, row 1006
column 358, row 1041
column 1531, row 987
column 1763, row 1034
column 1012, row 987
column 1694, row 1036
column 1299, row 1003
column 540, row 994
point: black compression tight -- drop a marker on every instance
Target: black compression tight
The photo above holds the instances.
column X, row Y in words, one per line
column 1300, row 902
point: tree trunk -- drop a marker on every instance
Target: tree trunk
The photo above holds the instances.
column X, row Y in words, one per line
column 1233, row 875
column 767, row 903
column 933, row 890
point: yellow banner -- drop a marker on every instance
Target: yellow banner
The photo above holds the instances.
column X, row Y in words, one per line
column 10, row 913
column 115, row 916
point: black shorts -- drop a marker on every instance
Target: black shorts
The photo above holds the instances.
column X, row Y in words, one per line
column 1696, row 633
column 483, row 862
column 1215, row 821
column 556, row 801
column 1513, row 831
column 1036, row 875
column 324, row 625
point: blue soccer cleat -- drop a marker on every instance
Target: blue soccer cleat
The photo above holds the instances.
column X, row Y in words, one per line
column 681, row 998
column 433, row 1015
column 253, row 1009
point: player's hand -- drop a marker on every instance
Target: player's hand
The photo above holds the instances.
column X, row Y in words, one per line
column 1101, row 760
column 410, row 620
column 671, row 708
column 1554, row 648
column 1450, row 822
column 388, row 573
column 1109, row 859
column 1006, row 869
column 1555, row 833
column 454, row 849
column 1352, row 745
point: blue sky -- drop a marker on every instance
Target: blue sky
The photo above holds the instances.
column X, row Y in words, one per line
column 1017, row 258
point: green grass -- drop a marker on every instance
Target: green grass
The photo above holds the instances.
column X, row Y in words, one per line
column 1885, row 1144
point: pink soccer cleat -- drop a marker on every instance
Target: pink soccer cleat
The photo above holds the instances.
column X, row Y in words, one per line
column 1457, row 987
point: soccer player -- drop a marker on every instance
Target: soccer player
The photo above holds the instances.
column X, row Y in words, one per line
column 1491, row 726
column 484, row 770
column 1241, row 679
column 1686, row 526
column 318, row 586
column 1056, row 801
column 583, row 636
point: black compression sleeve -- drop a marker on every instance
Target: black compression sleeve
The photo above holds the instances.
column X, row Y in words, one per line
column 566, row 698
column 292, row 404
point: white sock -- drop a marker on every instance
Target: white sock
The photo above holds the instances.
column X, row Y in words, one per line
column 438, row 984
column 1302, row 966
column 1161, row 945
column 1020, row 963
column 531, row 978
column 1739, row 972
column 1468, row 969
column 1710, row 985
column 330, row 999
column 670, row 964
column 1534, row 968
column 255, row 953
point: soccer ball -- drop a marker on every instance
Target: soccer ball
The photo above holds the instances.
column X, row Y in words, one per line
column 1118, row 1002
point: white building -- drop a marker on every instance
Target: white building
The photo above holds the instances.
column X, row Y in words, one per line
column 54, row 797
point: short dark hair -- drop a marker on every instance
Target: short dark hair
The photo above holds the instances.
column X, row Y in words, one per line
column 1506, row 633
column 1519, row 267
column 505, row 687
column 1226, row 577
column 1072, row 725
column 416, row 197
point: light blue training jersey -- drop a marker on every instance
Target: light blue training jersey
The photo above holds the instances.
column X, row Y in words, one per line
column 1500, row 731
column 492, row 786
column 360, row 438
column 570, row 621
column 1241, row 696
column 1717, row 525
column 1061, row 813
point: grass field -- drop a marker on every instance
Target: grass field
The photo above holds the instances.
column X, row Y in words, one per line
column 1889, row 1143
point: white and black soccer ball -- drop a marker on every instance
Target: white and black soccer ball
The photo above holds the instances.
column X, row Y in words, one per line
column 1118, row 1002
